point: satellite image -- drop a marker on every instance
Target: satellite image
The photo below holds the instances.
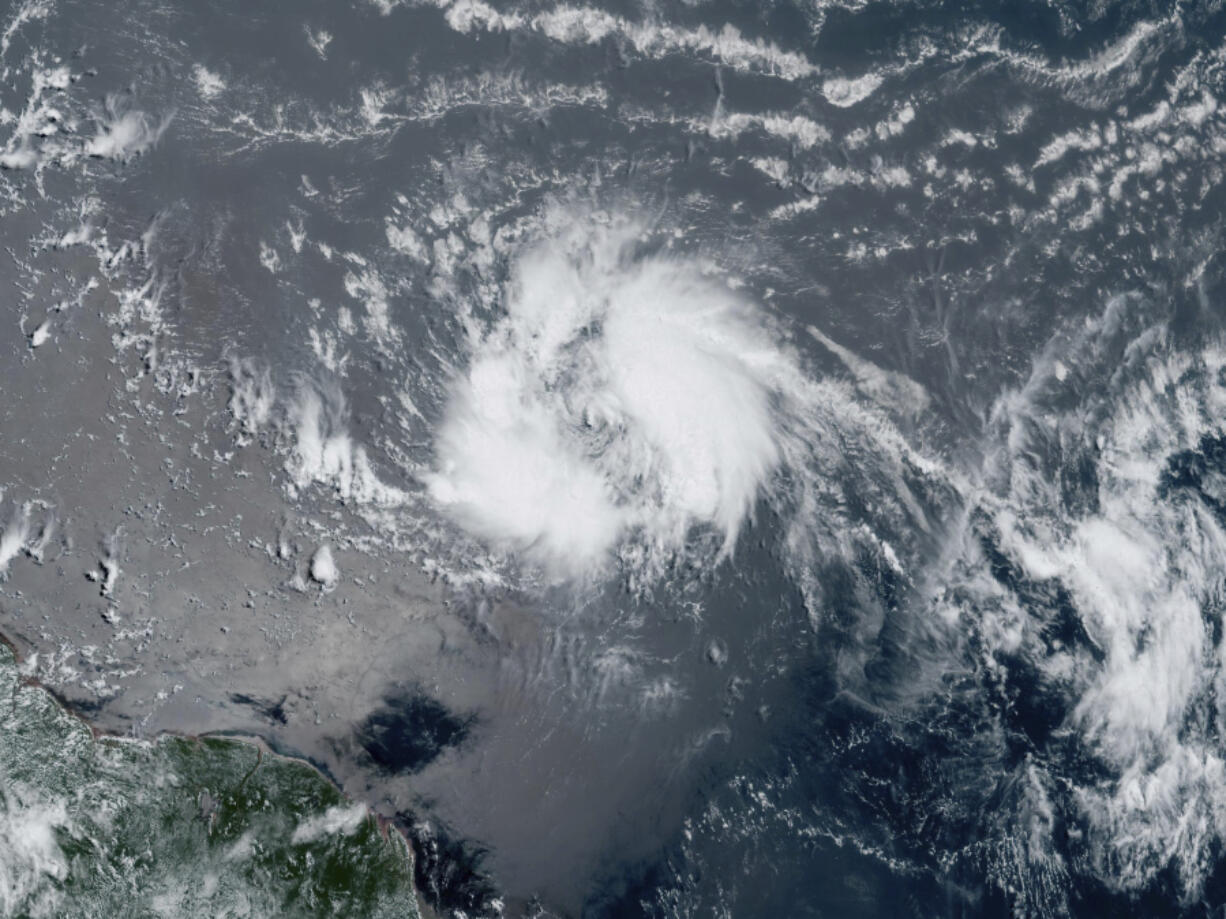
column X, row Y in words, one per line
column 612, row 458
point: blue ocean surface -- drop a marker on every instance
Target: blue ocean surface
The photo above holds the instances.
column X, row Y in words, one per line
column 671, row 459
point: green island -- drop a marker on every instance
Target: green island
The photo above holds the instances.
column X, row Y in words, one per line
column 95, row 827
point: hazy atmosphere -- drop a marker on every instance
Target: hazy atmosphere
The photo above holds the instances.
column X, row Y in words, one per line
column 661, row 459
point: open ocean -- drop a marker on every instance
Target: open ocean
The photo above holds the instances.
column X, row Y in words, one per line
column 676, row 458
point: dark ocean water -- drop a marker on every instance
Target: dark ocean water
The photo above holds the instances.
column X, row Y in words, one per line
column 673, row 459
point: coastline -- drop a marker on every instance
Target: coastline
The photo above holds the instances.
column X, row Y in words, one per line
column 260, row 744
